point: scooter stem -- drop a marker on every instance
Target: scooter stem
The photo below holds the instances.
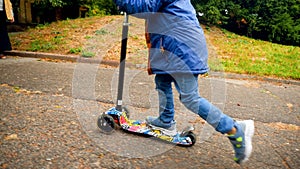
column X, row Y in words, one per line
column 122, row 62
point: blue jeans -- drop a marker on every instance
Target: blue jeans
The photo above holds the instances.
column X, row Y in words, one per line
column 187, row 86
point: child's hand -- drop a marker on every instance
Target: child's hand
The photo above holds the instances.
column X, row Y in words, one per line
column 12, row 20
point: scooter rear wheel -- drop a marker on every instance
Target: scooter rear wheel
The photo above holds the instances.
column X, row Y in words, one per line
column 192, row 136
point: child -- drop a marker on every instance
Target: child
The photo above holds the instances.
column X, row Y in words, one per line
column 178, row 54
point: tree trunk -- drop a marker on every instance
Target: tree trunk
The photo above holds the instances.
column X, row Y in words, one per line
column 58, row 13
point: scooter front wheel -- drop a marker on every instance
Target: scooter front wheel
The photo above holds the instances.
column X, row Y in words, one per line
column 106, row 123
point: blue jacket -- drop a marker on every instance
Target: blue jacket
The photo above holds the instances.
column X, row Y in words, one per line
column 176, row 40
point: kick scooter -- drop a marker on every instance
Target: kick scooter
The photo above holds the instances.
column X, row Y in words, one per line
column 118, row 117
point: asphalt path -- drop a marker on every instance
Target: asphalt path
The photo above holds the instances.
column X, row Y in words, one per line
column 48, row 115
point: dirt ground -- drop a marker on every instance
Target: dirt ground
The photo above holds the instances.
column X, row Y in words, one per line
column 73, row 37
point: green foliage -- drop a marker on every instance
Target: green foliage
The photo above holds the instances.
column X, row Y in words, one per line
column 39, row 45
column 101, row 32
column 279, row 21
column 75, row 50
column 88, row 54
column 57, row 40
column 99, row 7
column 271, row 20
column 53, row 3
column 212, row 10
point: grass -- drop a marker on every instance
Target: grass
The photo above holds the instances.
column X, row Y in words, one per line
column 244, row 55
column 228, row 51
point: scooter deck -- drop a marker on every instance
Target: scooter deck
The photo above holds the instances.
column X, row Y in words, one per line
column 184, row 138
column 139, row 127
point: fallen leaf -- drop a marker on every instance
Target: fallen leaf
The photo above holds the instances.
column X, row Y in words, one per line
column 284, row 126
column 11, row 137
column 289, row 105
